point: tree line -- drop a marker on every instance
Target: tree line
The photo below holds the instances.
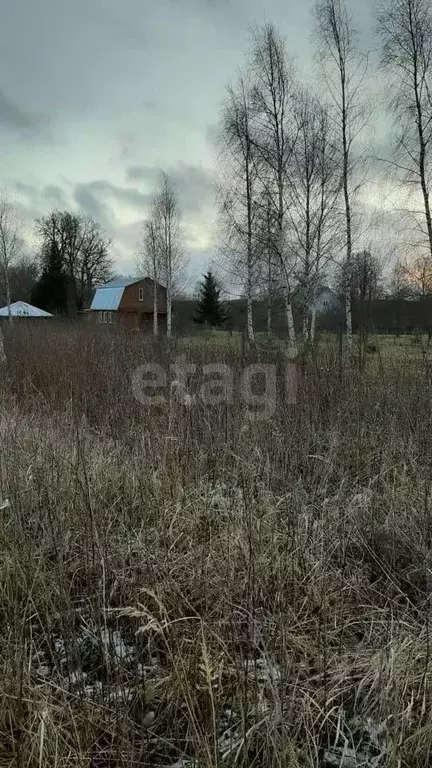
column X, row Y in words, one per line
column 291, row 163
column 73, row 258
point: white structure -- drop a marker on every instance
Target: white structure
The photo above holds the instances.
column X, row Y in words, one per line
column 326, row 301
column 22, row 309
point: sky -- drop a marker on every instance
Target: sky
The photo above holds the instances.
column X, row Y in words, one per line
column 97, row 96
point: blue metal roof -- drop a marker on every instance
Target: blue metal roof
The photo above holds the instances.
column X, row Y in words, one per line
column 107, row 298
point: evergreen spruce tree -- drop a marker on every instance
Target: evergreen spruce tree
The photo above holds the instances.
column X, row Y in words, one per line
column 51, row 291
column 210, row 311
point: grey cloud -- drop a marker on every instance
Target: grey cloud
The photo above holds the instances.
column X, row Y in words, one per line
column 150, row 104
column 127, row 241
column 26, row 189
column 142, row 173
column 56, row 196
column 90, row 204
column 99, row 198
column 32, row 201
column 129, row 145
column 200, row 260
column 123, row 195
column 130, row 235
column 38, row 197
column 194, row 184
column 14, row 118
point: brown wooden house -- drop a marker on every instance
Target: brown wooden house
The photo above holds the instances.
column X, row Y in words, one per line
column 128, row 303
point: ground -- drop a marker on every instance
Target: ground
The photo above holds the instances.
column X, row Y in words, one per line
column 185, row 583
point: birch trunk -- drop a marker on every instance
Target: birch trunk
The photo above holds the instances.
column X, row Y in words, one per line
column 155, row 308
column 249, row 192
column 250, row 328
column 249, row 320
column 346, row 172
column 313, row 324
column 305, row 327
column 348, row 315
column 307, row 267
column 269, row 318
column 169, row 311
column 423, row 143
column 338, row 41
column 269, row 271
column 292, row 343
column 2, row 350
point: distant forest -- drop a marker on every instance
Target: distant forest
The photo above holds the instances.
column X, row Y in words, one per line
column 385, row 315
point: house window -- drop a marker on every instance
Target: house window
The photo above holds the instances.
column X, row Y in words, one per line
column 110, row 317
column 140, row 294
column 102, row 317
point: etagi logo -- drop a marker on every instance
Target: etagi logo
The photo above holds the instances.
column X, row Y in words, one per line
column 258, row 386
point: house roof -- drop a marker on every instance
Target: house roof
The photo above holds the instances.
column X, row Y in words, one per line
column 22, row 309
column 123, row 282
column 109, row 296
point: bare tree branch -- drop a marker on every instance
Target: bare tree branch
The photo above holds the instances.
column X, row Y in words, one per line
column 11, row 244
column 405, row 29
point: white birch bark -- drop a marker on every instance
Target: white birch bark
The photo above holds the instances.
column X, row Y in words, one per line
column 338, row 45
column 313, row 324
column 348, row 315
column 292, row 343
column 169, row 309
column 250, row 328
column 238, row 200
column 269, row 319
column 305, row 327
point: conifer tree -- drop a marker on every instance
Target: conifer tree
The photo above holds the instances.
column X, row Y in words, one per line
column 51, row 291
column 210, row 311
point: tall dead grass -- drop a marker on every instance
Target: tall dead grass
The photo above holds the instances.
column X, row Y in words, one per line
column 178, row 588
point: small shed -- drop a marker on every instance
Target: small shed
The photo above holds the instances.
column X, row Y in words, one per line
column 128, row 303
column 23, row 310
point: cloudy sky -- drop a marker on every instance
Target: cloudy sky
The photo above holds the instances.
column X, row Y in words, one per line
column 97, row 95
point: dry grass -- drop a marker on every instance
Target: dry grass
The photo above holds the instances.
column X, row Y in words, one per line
column 178, row 589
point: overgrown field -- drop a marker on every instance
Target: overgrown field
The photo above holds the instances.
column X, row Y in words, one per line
column 184, row 586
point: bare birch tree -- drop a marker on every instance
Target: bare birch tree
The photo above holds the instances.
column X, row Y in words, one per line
column 417, row 275
column 10, row 244
column 169, row 235
column 273, row 95
column 405, row 29
column 313, row 209
column 239, row 190
column 269, row 264
column 149, row 261
column 344, row 70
